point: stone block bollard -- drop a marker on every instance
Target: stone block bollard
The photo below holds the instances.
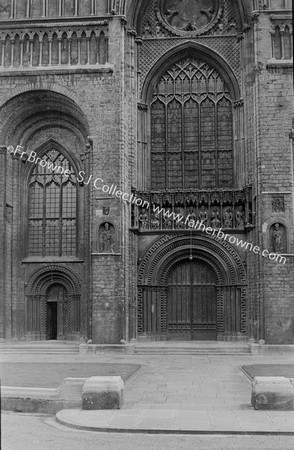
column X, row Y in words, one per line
column 102, row 393
column 272, row 393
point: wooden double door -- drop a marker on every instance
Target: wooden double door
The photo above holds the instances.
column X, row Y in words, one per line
column 192, row 302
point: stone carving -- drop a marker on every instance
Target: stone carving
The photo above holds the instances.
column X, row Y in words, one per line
column 167, row 223
column 203, row 214
column 223, row 209
column 278, row 204
column 240, row 218
column 189, row 15
column 180, row 212
column 228, row 218
column 155, row 221
column 106, row 238
column 215, row 218
column 278, row 238
column 143, row 219
column 191, row 215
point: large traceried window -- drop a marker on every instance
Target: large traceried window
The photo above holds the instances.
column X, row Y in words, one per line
column 191, row 128
column 52, row 208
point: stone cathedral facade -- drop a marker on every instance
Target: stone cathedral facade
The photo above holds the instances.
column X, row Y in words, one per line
column 132, row 106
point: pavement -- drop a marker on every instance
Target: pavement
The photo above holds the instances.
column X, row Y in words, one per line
column 178, row 394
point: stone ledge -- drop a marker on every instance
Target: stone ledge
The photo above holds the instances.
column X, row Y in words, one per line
column 57, row 70
column 43, row 400
column 271, row 349
column 105, row 348
column 106, row 390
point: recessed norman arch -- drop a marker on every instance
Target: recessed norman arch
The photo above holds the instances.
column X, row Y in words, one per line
column 53, row 301
column 201, row 276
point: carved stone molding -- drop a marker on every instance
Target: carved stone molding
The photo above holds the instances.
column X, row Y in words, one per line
column 47, row 275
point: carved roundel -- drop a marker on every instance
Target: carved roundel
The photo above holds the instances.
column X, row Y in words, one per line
column 189, row 16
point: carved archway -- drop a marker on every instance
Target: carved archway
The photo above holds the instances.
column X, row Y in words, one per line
column 158, row 262
column 39, row 285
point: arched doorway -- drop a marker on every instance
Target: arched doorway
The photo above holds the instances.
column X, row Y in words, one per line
column 191, row 287
column 192, row 301
column 53, row 304
column 56, row 302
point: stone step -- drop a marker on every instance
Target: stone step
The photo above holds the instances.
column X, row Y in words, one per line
column 39, row 348
column 192, row 350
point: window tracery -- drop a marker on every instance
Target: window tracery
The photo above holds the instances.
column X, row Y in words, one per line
column 191, row 128
column 52, row 208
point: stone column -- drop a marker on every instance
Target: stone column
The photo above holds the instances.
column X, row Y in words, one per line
column 3, row 170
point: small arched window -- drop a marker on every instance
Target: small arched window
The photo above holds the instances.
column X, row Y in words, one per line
column 52, row 207
column 287, row 38
column 277, row 43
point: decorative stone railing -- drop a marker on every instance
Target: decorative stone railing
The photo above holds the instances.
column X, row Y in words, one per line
column 40, row 9
column 271, row 5
column 61, row 45
column 227, row 209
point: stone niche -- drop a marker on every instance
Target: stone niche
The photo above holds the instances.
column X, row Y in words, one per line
column 278, row 238
column 106, row 238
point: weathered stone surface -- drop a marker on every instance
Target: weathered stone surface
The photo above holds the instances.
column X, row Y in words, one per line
column 102, row 393
column 71, row 391
column 272, row 393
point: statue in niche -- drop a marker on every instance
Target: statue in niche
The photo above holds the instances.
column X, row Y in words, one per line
column 143, row 219
column 167, row 223
column 228, row 218
column 215, row 218
column 191, row 215
column 240, row 218
column 106, row 238
column 278, row 234
column 155, row 221
column 203, row 214
column 180, row 212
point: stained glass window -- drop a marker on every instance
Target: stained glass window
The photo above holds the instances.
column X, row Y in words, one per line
column 191, row 128
column 53, row 207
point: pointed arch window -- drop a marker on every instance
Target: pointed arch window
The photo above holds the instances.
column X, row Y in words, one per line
column 277, row 43
column 52, row 207
column 191, row 128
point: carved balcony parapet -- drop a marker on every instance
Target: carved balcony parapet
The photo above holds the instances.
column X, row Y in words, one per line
column 227, row 209
column 271, row 5
column 65, row 45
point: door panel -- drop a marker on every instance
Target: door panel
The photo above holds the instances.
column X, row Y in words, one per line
column 191, row 302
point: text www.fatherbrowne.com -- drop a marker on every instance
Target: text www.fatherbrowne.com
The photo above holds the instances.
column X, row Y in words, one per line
column 192, row 224
column 218, row 233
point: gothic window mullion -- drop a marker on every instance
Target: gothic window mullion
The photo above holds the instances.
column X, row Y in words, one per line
column 60, row 216
column 183, row 145
column 216, row 144
column 200, row 145
column 166, row 145
column 44, row 215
